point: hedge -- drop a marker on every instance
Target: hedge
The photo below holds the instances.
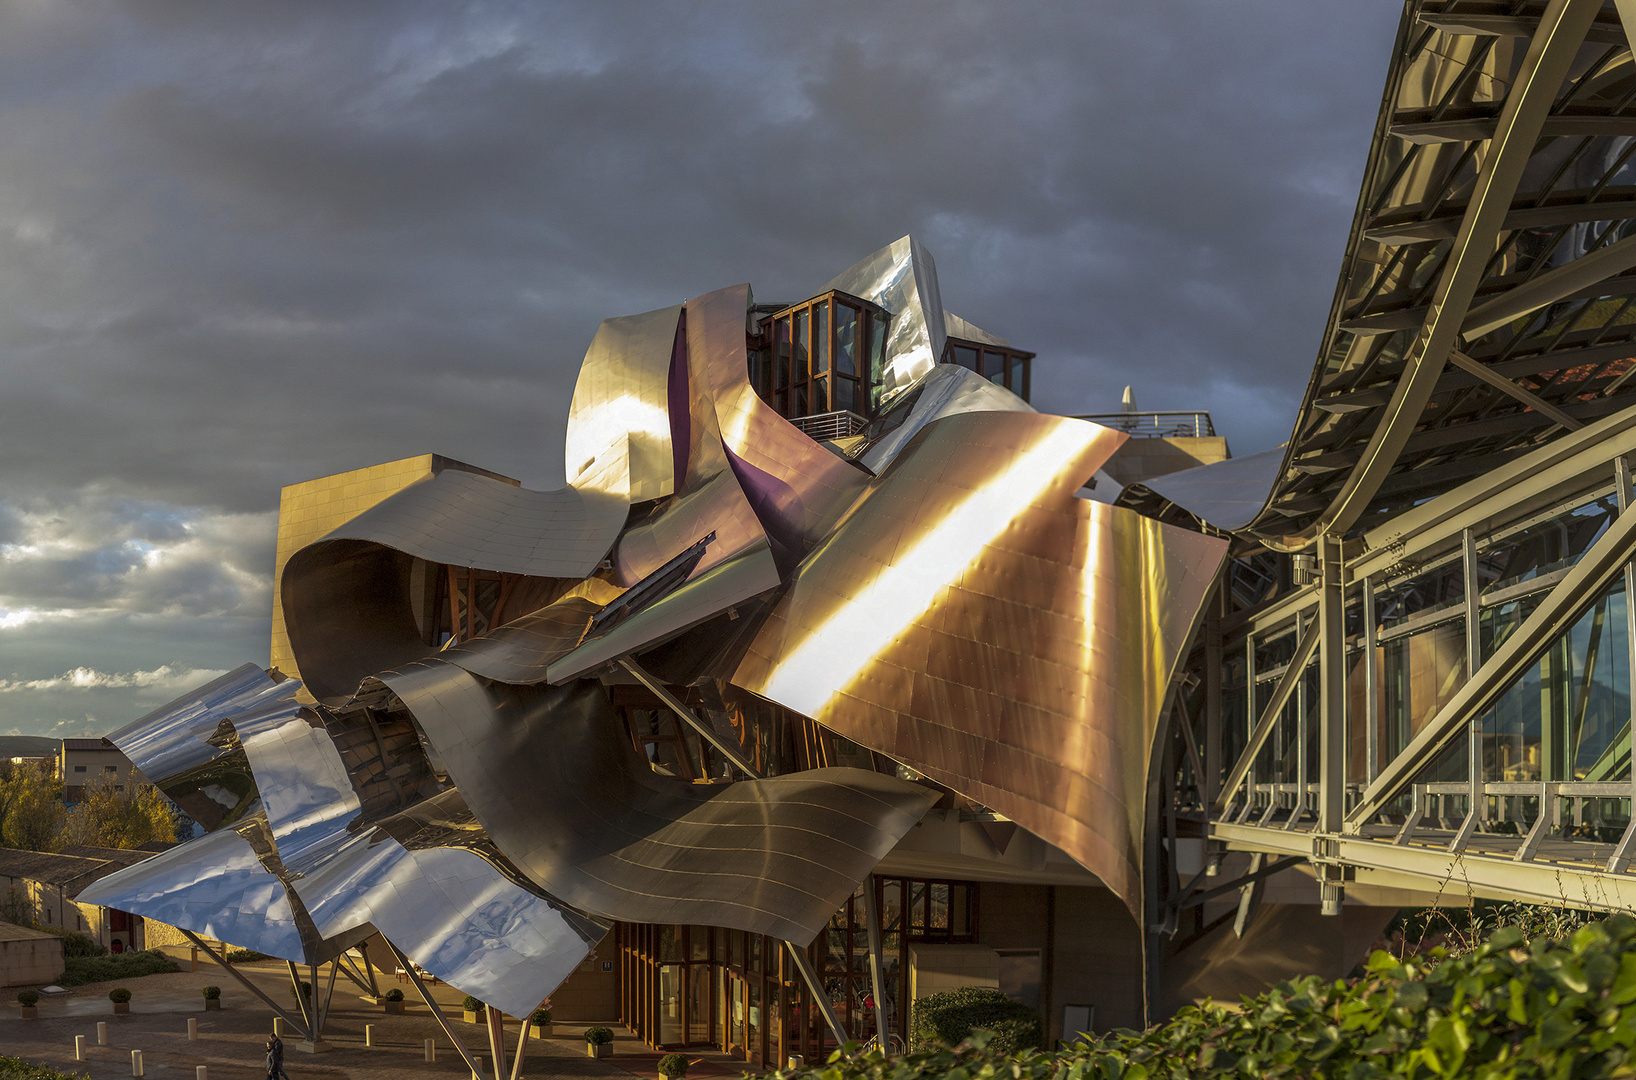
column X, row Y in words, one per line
column 13, row 1068
column 1562, row 1008
column 126, row 965
column 951, row 1016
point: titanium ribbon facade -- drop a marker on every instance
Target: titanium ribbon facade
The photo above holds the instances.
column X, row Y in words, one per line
column 463, row 756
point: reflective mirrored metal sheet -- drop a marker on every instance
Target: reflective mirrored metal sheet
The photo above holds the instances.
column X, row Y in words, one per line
column 455, row 915
column 619, row 424
column 902, row 278
column 770, row 856
column 177, row 749
column 304, row 784
column 1227, row 494
column 215, row 886
column 975, row 620
column 945, row 390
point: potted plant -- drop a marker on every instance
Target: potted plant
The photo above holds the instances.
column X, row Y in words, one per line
column 539, row 1024
column 470, row 1006
column 598, row 1042
column 27, row 1000
column 394, row 1001
column 212, row 998
column 673, row 1066
column 306, row 991
column 121, row 998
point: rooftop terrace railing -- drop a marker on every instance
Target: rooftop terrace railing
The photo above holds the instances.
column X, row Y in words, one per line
column 1157, row 425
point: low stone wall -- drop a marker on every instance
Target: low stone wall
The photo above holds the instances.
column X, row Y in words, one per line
column 28, row 957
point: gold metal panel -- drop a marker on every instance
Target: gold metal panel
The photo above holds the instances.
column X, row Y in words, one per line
column 619, row 434
column 976, row 621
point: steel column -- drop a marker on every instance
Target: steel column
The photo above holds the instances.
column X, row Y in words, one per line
column 877, row 976
column 431, row 1003
column 674, row 704
column 1269, row 716
column 1371, row 684
column 1332, row 676
column 819, row 999
column 246, row 983
column 1621, row 857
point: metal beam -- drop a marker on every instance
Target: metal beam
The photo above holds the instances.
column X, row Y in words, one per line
column 1506, row 386
column 244, row 982
column 431, row 1003
column 1252, row 876
column 1331, row 627
column 1590, row 576
column 877, row 975
column 820, row 999
column 674, row 704
column 1269, row 716
column 1549, row 287
column 1550, row 56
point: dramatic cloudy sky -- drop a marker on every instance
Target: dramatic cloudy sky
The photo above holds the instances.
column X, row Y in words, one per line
column 243, row 245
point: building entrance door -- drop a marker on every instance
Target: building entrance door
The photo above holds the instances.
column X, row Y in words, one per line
column 733, row 1014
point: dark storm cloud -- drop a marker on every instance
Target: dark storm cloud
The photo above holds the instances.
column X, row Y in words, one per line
column 246, row 245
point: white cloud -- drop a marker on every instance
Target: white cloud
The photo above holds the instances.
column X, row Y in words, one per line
column 165, row 677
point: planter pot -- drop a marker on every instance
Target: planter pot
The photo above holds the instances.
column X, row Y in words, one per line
column 673, row 1076
column 29, row 1012
column 471, row 1017
column 393, row 1008
column 539, row 1031
column 121, row 1008
column 593, row 1050
column 211, row 1004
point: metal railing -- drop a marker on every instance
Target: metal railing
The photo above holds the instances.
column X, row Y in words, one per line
column 1156, row 425
column 830, row 425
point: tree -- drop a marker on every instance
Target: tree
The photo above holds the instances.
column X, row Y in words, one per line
column 108, row 817
column 31, row 812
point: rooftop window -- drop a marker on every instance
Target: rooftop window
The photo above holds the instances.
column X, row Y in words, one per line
column 821, row 356
column 1009, row 367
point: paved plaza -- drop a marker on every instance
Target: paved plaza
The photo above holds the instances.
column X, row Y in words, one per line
column 231, row 1039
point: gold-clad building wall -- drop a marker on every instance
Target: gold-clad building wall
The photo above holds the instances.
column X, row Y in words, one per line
column 311, row 510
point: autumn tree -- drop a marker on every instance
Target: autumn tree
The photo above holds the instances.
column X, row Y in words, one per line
column 31, row 811
column 107, row 816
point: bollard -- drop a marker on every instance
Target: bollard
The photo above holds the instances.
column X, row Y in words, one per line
column 102, row 1033
column 278, row 1026
column 369, row 1034
column 201, row 1072
column 79, row 1047
column 431, row 1050
column 192, row 1029
column 136, row 1063
column 475, row 1075
column 196, row 968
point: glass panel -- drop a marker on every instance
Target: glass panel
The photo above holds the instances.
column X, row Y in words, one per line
column 754, row 963
column 965, row 357
column 1022, row 384
column 939, row 921
column 780, row 400
column 753, row 1044
column 846, row 339
column 994, row 366
column 820, row 394
column 917, row 908
column 698, row 942
column 878, row 329
column 698, row 1019
column 670, row 1004
column 781, row 353
column 760, row 375
column 798, row 363
column 820, row 336
column 735, row 947
column 1421, row 672
column 799, row 406
column 670, row 943
column 846, row 394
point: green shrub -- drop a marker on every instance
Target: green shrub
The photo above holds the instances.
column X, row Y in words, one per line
column 1562, row 1008
column 211, row 993
column 244, row 956
column 125, row 965
column 673, row 1065
column 119, row 995
column 394, row 994
column 12, row 1068
column 471, row 1004
column 950, row 1017
column 28, row 999
column 306, row 990
column 598, row 1036
column 76, row 944
column 540, row 1016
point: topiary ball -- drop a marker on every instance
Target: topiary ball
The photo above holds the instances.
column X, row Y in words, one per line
column 211, row 993
column 470, row 1004
column 540, row 1016
column 394, row 995
column 599, row 1036
column 119, row 995
column 28, row 999
column 673, row 1065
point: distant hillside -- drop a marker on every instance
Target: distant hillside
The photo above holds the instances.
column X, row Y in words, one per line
column 27, row 746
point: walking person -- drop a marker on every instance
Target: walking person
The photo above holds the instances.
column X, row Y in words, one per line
column 275, row 1058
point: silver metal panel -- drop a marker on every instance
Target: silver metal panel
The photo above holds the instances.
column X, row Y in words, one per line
column 771, row 856
column 1227, row 494
column 455, row 915
column 177, row 749
column 901, row 278
column 976, row 621
column 945, row 390
column 215, row 886
column 466, row 519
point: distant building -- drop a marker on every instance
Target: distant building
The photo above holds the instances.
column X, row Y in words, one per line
column 81, row 761
column 41, row 887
